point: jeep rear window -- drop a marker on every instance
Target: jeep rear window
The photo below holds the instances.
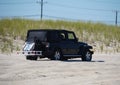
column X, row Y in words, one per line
column 37, row 35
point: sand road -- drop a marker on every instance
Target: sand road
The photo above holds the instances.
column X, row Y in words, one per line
column 103, row 70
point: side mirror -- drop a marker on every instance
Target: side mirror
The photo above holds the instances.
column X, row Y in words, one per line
column 77, row 39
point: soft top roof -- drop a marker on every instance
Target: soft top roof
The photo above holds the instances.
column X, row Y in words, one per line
column 48, row 30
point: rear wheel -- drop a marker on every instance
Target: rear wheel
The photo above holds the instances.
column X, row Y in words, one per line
column 31, row 57
column 57, row 55
column 28, row 58
column 87, row 56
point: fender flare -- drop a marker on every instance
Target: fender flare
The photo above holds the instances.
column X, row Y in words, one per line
column 85, row 48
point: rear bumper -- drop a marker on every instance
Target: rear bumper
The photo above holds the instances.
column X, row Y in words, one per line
column 30, row 53
column 46, row 53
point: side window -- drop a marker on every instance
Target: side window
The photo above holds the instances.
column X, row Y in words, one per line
column 71, row 36
column 62, row 36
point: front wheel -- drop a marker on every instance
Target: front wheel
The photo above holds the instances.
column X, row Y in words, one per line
column 87, row 56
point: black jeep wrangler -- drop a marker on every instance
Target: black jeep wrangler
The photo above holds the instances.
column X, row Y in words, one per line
column 55, row 45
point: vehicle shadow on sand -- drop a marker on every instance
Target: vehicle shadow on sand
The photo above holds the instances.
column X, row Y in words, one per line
column 75, row 60
column 84, row 61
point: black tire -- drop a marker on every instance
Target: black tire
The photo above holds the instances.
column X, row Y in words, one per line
column 34, row 57
column 57, row 55
column 87, row 56
column 31, row 57
column 64, row 59
column 28, row 58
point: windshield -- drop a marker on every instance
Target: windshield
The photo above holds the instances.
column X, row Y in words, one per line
column 36, row 35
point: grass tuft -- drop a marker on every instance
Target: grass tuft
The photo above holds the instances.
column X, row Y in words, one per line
column 101, row 36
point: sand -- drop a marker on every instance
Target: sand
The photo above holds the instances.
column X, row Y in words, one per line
column 104, row 69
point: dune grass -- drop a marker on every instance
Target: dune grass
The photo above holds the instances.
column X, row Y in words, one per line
column 101, row 36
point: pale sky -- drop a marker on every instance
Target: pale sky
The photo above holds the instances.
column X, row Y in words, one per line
column 85, row 10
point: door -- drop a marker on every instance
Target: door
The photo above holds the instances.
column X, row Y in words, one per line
column 69, row 43
column 72, row 44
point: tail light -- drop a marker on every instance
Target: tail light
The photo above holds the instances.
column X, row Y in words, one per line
column 47, row 45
